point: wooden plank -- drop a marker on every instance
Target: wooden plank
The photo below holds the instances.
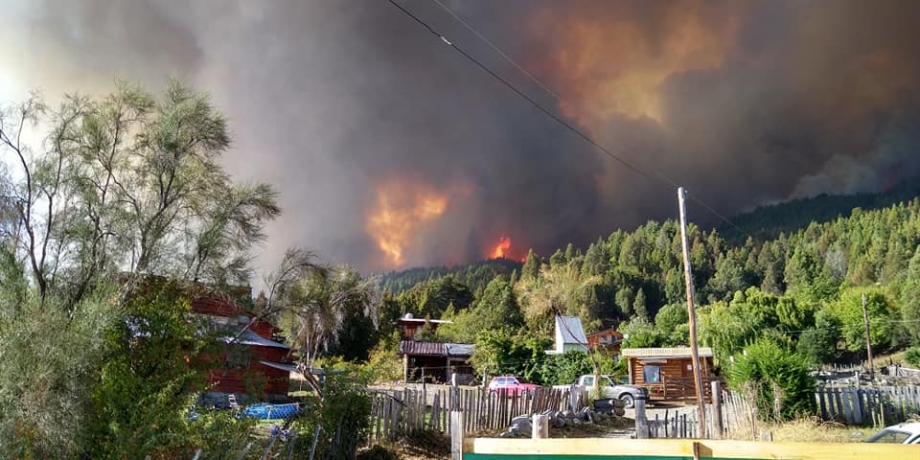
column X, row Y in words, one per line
column 481, row 448
column 822, row 409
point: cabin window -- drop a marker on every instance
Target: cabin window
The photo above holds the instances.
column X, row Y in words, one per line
column 652, row 374
column 237, row 357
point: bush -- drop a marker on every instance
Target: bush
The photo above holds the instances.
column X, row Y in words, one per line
column 912, row 356
column 342, row 417
column 767, row 368
column 566, row 368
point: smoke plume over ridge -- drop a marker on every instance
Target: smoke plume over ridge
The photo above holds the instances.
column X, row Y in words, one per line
column 380, row 136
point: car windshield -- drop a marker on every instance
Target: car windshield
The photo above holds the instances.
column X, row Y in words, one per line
column 889, row 435
column 606, row 381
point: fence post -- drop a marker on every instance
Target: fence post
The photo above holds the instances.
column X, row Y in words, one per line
column 456, row 421
column 641, row 421
column 716, row 431
column 540, row 427
column 456, row 435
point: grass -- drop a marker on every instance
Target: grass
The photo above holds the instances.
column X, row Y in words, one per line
column 810, row 430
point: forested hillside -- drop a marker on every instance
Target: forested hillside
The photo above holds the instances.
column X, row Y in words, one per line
column 803, row 288
column 475, row 275
column 767, row 222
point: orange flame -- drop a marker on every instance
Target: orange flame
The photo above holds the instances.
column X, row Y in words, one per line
column 402, row 210
column 502, row 248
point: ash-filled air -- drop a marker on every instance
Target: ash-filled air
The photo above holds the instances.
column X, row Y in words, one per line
column 391, row 150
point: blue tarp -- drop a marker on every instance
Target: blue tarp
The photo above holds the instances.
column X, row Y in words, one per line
column 271, row 411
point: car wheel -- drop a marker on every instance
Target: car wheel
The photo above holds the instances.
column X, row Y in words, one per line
column 628, row 400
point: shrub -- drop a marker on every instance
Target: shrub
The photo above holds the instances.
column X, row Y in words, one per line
column 912, row 356
column 342, row 418
column 768, row 368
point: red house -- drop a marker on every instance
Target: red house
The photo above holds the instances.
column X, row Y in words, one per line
column 253, row 361
column 409, row 325
column 608, row 340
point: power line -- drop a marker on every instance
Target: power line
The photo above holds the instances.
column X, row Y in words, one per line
column 498, row 50
column 659, row 176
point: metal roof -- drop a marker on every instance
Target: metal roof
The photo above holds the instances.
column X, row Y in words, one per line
column 677, row 352
column 572, row 332
column 248, row 337
column 407, row 347
column 283, row 366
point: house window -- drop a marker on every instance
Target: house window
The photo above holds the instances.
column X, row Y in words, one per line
column 651, row 374
column 237, row 357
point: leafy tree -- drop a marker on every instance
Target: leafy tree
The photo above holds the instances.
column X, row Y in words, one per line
column 131, row 182
column 503, row 351
column 910, row 298
column 639, row 333
column 672, row 322
column 143, row 395
column 639, row 305
column 50, row 365
column 848, row 312
column 327, row 306
column 765, row 368
column 912, row 356
column 563, row 369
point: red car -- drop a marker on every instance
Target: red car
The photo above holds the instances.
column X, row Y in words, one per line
column 510, row 384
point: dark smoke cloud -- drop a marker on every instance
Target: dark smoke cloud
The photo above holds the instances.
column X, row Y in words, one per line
column 769, row 100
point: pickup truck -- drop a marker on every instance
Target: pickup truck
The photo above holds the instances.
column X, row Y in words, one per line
column 510, row 384
column 625, row 393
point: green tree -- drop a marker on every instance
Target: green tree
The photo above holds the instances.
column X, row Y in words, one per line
column 130, row 182
column 319, row 302
column 766, row 367
column 672, row 322
column 639, row 305
column 848, row 312
column 910, row 298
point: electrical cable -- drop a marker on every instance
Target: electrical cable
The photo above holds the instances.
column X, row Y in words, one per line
column 655, row 175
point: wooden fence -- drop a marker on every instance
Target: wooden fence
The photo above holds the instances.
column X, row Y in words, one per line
column 684, row 387
column 877, row 406
column 395, row 412
column 676, row 425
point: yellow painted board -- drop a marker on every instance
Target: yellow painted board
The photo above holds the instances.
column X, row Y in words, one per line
column 684, row 448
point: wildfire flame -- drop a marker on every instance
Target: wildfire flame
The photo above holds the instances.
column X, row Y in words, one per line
column 502, row 248
column 401, row 210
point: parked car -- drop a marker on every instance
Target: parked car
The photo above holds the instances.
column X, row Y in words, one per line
column 625, row 393
column 510, row 384
column 903, row 433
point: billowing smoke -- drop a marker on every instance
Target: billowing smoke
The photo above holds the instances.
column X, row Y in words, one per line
column 391, row 150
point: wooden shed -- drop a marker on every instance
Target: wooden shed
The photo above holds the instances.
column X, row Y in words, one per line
column 668, row 372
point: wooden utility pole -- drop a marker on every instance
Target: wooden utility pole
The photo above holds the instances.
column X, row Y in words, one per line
column 868, row 339
column 691, row 312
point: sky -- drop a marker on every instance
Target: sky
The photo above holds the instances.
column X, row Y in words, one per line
column 392, row 150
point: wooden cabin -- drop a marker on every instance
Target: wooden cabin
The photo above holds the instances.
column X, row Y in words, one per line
column 253, row 362
column 668, row 372
column 436, row 362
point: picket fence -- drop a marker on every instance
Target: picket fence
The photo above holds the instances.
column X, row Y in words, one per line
column 876, row 406
column 397, row 412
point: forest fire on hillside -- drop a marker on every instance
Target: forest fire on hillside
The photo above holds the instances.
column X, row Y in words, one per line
column 401, row 211
column 501, row 249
